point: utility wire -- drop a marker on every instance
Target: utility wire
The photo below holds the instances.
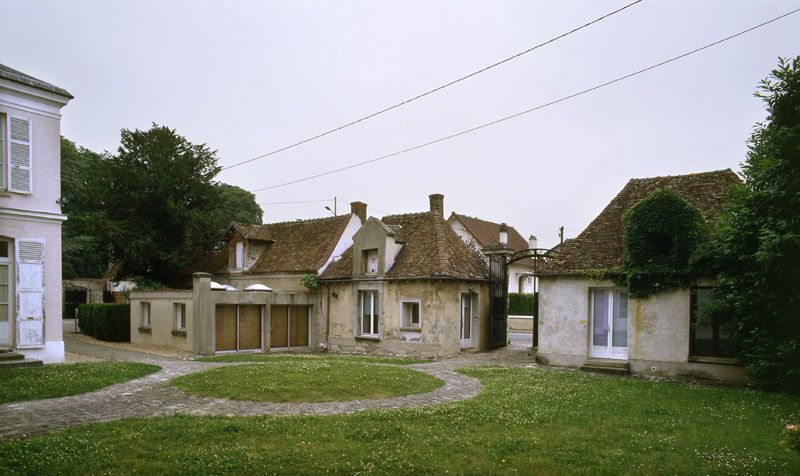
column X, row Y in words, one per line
column 527, row 111
column 303, row 201
column 439, row 88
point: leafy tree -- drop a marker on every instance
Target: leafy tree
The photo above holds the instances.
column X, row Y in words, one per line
column 757, row 246
column 237, row 204
column 84, row 250
column 159, row 202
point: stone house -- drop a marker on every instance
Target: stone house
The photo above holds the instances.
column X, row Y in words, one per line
column 264, row 304
column 409, row 286
column 591, row 323
column 483, row 234
column 30, row 215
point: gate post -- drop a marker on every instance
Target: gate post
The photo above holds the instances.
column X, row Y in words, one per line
column 203, row 312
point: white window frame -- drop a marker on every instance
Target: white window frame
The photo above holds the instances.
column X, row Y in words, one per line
column 238, row 259
column 179, row 313
column 374, row 321
column 367, row 254
column 405, row 319
column 145, row 314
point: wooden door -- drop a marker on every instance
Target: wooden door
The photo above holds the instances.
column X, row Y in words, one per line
column 298, row 335
column 279, row 326
column 249, row 327
column 225, row 327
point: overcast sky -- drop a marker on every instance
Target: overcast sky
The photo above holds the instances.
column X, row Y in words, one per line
column 250, row 77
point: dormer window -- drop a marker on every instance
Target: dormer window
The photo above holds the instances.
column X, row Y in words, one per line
column 370, row 260
column 239, row 263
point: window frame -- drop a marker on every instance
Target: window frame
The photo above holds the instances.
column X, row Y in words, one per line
column 716, row 334
column 407, row 323
column 374, row 319
column 179, row 316
column 238, row 255
column 365, row 256
column 145, row 316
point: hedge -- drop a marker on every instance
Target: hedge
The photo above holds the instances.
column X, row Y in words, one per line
column 521, row 304
column 109, row 322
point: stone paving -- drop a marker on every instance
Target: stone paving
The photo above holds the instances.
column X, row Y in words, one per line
column 153, row 396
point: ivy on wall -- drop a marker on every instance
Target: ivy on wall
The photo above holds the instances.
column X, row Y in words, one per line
column 661, row 236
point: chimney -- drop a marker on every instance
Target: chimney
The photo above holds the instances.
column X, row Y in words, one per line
column 360, row 210
column 504, row 234
column 437, row 203
column 532, row 242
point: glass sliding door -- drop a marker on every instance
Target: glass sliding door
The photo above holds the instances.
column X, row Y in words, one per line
column 609, row 329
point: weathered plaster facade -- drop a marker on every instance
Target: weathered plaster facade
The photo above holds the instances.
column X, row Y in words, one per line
column 657, row 331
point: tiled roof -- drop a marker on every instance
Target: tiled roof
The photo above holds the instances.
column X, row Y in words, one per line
column 249, row 232
column 487, row 233
column 301, row 246
column 600, row 247
column 22, row 78
column 431, row 250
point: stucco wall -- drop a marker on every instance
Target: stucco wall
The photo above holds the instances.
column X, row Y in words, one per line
column 162, row 319
column 440, row 314
column 658, row 330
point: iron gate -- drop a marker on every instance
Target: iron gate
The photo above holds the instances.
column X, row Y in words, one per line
column 498, row 298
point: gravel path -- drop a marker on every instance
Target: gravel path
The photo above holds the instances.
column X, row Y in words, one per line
column 153, row 396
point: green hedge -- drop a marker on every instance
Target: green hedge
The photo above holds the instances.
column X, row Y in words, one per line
column 109, row 322
column 521, row 304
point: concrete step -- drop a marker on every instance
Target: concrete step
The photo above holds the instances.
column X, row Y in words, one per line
column 607, row 366
column 11, row 356
column 8, row 364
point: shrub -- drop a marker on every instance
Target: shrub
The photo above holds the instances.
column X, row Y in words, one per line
column 520, row 304
column 109, row 322
column 791, row 437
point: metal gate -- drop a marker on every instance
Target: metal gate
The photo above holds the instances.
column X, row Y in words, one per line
column 498, row 295
column 73, row 298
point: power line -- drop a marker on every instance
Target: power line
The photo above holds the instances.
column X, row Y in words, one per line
column 439, row 88
column 303, row 201
column 527, row 111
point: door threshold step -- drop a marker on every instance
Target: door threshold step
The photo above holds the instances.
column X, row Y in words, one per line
column 9, row 364
column 607, row 366
column 11, row 356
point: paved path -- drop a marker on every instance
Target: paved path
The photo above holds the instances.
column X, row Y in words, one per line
column 153, row 396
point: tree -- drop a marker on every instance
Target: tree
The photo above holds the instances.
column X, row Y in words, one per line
column 84, row 251
column 237, row 204
column 159, row 202
column 757, row 246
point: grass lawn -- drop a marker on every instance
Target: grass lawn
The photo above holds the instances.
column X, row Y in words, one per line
column 329, row 357
column 60, row 380
column 525, row 421
column 292, row 379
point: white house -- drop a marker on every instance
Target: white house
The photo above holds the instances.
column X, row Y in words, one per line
column 30, row 216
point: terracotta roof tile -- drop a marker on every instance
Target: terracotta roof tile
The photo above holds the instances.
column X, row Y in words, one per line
column 487, row 234
column 431, row 250
column 301, row 246
column 600, row 247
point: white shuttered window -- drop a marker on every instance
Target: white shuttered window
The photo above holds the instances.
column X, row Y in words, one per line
column 30, row 293
column 20, row 158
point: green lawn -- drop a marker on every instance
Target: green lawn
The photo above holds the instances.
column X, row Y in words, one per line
column 329, row 357
column 307, row 380
column 60, row 380
column 526, row 421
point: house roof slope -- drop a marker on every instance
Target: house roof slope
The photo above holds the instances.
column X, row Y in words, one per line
column 300, row 246
column 600, row 246
column 28, row 80
column 431, row 250
column 487, row 233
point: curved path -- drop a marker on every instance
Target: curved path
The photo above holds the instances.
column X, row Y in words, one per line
column 153, row 396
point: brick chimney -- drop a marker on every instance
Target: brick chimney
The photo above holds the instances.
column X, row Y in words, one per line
column 437, row 203
column 360, row 210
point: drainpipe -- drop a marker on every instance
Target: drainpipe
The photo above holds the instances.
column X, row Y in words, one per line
column 328, row 321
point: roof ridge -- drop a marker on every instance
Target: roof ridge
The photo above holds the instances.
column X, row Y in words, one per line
column 709, row 172
column 307, row 220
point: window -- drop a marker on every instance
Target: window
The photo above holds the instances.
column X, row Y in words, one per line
column 5, row 293
column 370, row 260
column 410, row 311
column 3, row 152
column 239, row 255
column 369, row 313
column 708, row 338
column 145, row 314
column 15, row 154
column 180, row 316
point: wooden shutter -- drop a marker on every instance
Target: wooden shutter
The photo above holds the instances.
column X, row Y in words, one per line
column 20, row 170
column 30, row 293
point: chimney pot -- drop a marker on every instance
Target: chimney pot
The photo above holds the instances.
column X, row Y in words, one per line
column 437, row 203
column 503, row 234
column 359, row 209
column 532, row 242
